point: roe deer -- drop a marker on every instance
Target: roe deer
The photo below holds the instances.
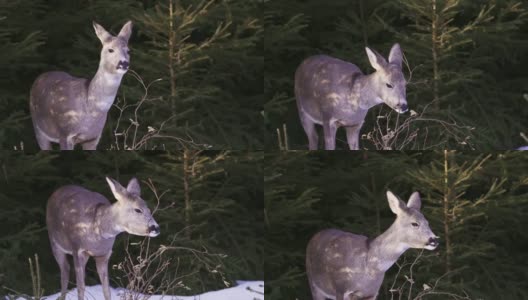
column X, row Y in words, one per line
column 341, row 265
column 335, row 93
column 70, row 110
column 82, row 223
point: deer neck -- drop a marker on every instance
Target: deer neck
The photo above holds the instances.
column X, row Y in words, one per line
column 385, row 249
column 103, row 89
column 105, row 221
column 368, row 94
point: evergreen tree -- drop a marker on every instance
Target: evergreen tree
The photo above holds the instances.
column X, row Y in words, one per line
column 19, row 42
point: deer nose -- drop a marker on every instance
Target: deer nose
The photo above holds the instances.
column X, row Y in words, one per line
column 404, row 107
column 123, row 64
column 154, row 229
column 433, row 241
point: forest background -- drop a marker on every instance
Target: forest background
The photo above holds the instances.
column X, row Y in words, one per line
column 466, row 69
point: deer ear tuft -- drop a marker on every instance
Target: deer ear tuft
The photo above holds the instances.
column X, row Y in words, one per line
column 395, row 204
column 101, row 33
column 376, row 60
column 116, row 188
column 126, row 31
column 396, row 55
column 415, row 201
column 133, row 187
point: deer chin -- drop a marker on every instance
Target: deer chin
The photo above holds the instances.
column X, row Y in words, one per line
column 153, row 233
column 398, row 109
column 431, row 246
column 121, row 70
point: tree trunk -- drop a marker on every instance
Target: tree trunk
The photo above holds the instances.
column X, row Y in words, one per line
column 434, row 49
column 186, row 191
column 447, row 219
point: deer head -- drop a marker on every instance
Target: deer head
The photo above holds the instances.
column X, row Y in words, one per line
column 132, row 213
column 412, row 229
column 389, row 83
column 115, row 57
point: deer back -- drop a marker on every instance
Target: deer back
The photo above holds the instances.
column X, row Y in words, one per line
column 327, row 87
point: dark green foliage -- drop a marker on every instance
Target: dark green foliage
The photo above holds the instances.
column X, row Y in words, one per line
column 208, row 94
column 225, row 217
column 466, row 59
column 487, row 209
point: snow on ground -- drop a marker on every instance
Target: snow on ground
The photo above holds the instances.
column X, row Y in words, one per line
column 246, row 290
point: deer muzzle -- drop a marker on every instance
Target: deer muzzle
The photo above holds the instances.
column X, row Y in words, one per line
column 403, row 107
column 432, row 243
column 154, row 230
column 122, row 65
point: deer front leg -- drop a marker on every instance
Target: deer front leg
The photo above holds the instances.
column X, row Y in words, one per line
column 102, row 269
column 311, row 133
column 79, row 261
column 66, row 143
column 329, row 129
column 353, row 136
column 64, row 268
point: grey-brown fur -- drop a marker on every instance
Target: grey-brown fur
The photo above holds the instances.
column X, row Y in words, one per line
column 342, row 265
column 70, row 110
column 335, row 93
column 82, row 223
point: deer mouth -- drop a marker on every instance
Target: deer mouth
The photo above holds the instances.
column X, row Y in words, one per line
column 153, row 230
column 432, row 244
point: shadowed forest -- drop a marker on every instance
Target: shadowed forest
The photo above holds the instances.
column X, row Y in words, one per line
column 208, row 205
column 476, row 203
column 195, row 78
column 465, row 66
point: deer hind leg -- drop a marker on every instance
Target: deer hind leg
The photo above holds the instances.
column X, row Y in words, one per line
column 80, row 258
column 92, row 144
column 64, row 266
column 102, row 269
column 330, row 129
column 353, row 136
column 311, row 133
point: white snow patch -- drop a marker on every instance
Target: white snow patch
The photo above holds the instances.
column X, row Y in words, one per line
column 245, row 290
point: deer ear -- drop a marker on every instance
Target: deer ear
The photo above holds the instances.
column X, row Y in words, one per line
column 126, row 31
column 396, row 205
column 396, row 56
column 133, row 187
column 415, row 201
column 376, row 60
column 101, row 33
column 117, row 189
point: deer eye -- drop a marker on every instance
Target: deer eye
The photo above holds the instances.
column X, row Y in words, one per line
column 414, row 224
column 389, row 85
column 111, row 50
column 137, row 210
